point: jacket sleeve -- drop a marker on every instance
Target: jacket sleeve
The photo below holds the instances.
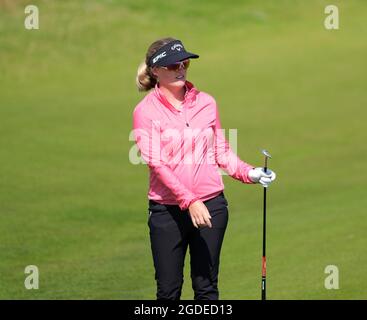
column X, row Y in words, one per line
column 226, row 158
column 147, row 137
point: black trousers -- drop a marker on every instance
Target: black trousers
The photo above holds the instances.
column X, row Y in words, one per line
column 171, row 233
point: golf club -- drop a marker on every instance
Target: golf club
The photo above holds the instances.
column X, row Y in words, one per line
column 263, row 278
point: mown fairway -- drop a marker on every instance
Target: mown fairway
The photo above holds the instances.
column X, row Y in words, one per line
column 71, row 202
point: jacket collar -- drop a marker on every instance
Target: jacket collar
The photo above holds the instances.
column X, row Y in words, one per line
column 189, row 99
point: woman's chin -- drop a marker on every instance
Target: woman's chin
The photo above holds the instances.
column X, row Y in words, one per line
column 179, row 82
column 174, row 84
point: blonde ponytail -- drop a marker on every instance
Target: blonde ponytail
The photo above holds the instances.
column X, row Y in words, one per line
column 144, row 79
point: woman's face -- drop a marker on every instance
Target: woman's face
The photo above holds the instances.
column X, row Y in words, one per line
column 172, row 78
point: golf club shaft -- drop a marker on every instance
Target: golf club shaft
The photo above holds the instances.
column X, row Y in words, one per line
column 263, row 278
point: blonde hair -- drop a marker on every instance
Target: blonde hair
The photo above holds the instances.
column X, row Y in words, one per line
column 145, row 80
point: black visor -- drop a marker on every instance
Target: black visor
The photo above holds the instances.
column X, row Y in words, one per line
column 169, row 54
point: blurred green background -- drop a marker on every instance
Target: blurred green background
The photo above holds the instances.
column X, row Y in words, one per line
column 72, row 203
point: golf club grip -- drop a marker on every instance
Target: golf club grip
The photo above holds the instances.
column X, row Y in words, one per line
column 263, row 279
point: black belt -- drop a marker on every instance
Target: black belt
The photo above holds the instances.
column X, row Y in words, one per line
column 155, row 202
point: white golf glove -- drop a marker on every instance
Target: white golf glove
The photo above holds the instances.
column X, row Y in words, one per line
column 258, row 175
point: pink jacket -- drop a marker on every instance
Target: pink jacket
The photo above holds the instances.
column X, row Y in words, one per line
column 184, row 149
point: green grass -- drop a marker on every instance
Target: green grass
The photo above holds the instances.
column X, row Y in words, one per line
column 72, row 203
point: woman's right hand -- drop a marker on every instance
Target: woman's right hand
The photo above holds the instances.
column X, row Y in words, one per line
column 199, row 214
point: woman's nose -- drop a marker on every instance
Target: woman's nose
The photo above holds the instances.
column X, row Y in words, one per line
column 181, row 66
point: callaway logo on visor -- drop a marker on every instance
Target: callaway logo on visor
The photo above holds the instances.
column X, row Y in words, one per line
column 177, row 47
column 170, row 53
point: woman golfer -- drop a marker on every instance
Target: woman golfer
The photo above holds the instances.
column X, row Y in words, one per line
column 178, row 132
